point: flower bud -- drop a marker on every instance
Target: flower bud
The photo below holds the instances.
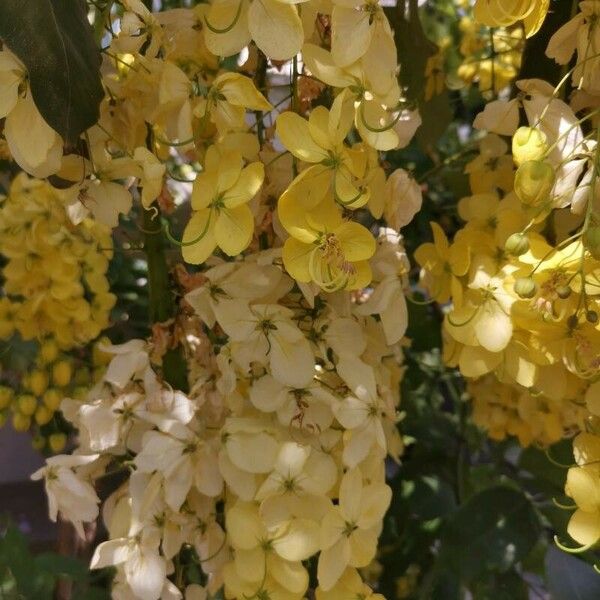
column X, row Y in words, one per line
column 591, row 316
column 38, row 382
column 52, row 398
column 26, row 404
column 48, row 352
column 6, row 396
column 57, row 442
column 534, row 182
column 517, row 244
column 591, row 240
column 525, row 287
column 528, row 144
column 62, row 373
column 43, row 415
column 572, row 321
column 563, row 291
column 21, row 422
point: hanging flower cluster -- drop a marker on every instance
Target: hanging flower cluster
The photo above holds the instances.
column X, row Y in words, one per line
column 54, row 291
column 292, row 405
column 269, row 473
column 523, row 272
column 55, row 276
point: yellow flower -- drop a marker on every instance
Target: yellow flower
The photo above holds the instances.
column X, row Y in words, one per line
column 324, row 248
column 502, row 13
column 220, row 199
column 492, row 168
column 274, row 25
column 34, row 145
column 442, row 265
column 583, row 485
column 320, row 141
column 227, row 100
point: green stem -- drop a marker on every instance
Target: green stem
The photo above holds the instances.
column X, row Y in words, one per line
column 161, row 300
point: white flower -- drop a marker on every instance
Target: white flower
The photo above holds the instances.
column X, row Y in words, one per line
column 67, row 492
column 144, row 568
column 184, row 459
column 266, row 333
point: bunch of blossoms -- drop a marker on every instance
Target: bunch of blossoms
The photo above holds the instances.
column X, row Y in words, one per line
column 491, row 58
column 504, row 13
column 524, row 307
column 276, row 454
column 505, row 409
column 55, row 274
column 55, row 291
column 270, row 472
column 523, row 272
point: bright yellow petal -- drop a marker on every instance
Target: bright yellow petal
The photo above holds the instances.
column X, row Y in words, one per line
column 200, row 228
column 229, row 169
column 234, row 228
column 318, row 127
column 204, row 190
column 361, row 277
column 356, row 241
column 240, row 91
column 276, row 28
column 296, row 259
column 246, row 187
column 294, row 133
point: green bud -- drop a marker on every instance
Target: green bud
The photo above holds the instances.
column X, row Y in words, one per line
column 525, row 287
column 591, row 240
column 591, row 316
column 517, row 244
column 563, row 291
column 528, row 144
column 534, row 181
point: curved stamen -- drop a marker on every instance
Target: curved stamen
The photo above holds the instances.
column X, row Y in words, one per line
column 338, row 198
column 390, row 125
column 230, row 26
column 454, row 324
column 181, row 243
column 564, row 506
column 578, row 550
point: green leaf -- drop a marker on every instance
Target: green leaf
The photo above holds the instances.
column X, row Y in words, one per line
column 502, row 586
column 492, row 531
column 414, row 48
column 55, row 41
column 59, row 565
column 569, row 578
column 431, row 497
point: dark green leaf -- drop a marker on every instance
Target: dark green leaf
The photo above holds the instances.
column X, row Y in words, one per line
column 55, row 42
column 56, row 564
column 431, row 497
column 414, row 48
column 501, row 586
column 492, row 531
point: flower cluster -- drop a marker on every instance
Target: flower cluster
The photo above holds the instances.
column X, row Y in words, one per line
column 524, row 301
column 269, row 473
column 523, row 272
column 275, row 455
column 503, row 409
column 55, row 281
